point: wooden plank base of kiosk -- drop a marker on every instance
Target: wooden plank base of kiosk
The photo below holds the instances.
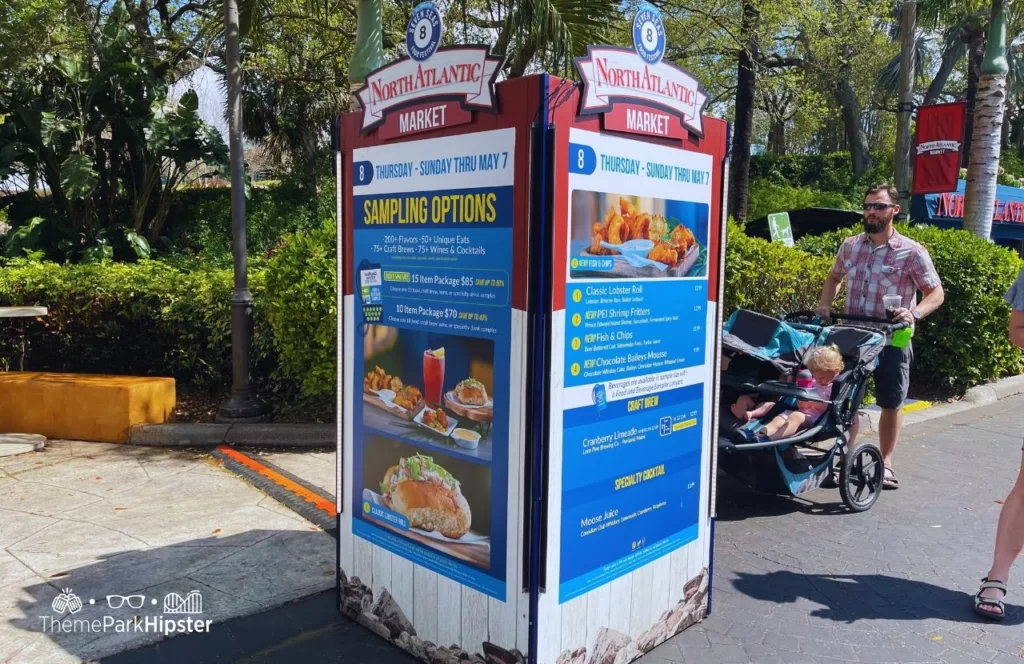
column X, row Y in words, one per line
column 384, row 617
column 613, row 647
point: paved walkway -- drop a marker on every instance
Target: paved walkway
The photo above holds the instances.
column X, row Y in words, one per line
column 803, row 581
column 107, row 519
column 795, row 581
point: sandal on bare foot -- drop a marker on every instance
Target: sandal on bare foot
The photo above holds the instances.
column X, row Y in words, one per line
column 889, row 479
column 980, row 601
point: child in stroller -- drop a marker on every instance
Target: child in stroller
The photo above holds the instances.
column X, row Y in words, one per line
column 824, row 363
column 760, row 355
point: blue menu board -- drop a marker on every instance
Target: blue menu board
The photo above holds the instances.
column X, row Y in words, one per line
column 634, row 356
column 432, row 273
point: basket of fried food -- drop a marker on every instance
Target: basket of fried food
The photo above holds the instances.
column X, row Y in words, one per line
column 672, row 253
column 389, row 393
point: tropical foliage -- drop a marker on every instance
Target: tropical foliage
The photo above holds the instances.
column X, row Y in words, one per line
column 96, row 129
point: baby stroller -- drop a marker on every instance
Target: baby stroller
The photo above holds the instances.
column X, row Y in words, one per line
column 759, row 354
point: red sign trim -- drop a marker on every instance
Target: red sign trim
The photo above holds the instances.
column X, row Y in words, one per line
column 452, row 115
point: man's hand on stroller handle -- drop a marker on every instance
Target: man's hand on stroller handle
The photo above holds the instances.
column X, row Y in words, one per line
column 902, row 315
column 828, row 295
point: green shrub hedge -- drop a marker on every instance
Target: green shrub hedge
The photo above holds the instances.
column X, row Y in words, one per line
column 301, row 309
column 199, row 223
column 767, row 197
column 199, row 220
column 770, row 277
column 173, row 318
column 143, row 318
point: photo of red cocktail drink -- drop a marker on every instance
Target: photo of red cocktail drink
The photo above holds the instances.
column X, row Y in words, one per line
column 433, row 376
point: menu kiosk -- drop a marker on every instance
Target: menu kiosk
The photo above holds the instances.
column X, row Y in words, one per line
column 531, row 273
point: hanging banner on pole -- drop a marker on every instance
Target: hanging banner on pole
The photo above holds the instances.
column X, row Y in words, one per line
column 937, row 146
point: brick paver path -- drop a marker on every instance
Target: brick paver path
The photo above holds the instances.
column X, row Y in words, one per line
column 804, row 581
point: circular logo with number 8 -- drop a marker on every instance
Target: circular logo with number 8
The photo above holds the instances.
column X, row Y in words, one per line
column 424, row 31
column 649, row 34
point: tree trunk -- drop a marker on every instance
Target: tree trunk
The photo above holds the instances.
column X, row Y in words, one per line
column 846, row 96
column 746, row 87
column 777, row 136
column 975, row 54
column 989, row 107
column 908, row 48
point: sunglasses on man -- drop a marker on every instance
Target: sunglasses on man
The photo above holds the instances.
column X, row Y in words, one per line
column 878, row 207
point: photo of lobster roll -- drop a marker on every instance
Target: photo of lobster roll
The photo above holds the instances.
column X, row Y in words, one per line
column 427, row 495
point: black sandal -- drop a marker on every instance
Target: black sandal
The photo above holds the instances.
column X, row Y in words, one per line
column 889, row 479
column 980, row 601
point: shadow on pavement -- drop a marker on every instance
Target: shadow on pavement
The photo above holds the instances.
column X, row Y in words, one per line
column 737, row 501
column 310, row 630
column 241, row 574
column 849, row 598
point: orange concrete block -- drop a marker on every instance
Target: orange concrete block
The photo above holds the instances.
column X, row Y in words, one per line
column 82, row 406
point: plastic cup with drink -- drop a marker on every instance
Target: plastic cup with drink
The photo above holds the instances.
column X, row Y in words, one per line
column 900, row 338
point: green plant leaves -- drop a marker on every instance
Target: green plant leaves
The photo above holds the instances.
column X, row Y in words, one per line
column 98, row 253
column 139, row 244
column 25, row 240
column 77, row 176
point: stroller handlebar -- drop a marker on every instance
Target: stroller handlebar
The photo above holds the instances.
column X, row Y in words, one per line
column 887, row 323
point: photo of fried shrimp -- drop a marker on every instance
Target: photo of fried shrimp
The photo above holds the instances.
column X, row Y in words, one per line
column 626, row 222
column 436, row 419
column 664, row 253
column 658, row 227
column 406, row 396
column 599, row 234
column 682, row 237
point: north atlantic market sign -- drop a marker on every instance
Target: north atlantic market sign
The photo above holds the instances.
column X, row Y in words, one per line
column 433, row 87
column 635, row 90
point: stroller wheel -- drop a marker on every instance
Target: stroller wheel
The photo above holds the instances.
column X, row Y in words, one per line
column 860, row 477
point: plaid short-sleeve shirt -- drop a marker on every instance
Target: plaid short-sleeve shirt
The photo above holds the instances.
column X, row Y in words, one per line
column 898, row 267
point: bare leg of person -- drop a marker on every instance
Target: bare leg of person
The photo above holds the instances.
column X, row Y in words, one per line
column 789, row 427
column 1009, row 539
column 773, row 427
column 889, row 425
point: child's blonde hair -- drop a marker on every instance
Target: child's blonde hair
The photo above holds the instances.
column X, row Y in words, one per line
column 826, row 358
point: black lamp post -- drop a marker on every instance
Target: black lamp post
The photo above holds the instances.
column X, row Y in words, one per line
column 243, row 405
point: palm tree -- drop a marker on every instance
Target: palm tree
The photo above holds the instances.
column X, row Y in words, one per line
column 546, row 32
column 989, row 107
column 369, row 50
column 553, row 32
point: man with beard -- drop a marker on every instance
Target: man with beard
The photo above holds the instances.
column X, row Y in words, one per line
column 875, row 263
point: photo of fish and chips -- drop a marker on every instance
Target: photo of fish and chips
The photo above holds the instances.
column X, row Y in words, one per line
column 446, row 501
column 644, row 237
column 435, row 389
